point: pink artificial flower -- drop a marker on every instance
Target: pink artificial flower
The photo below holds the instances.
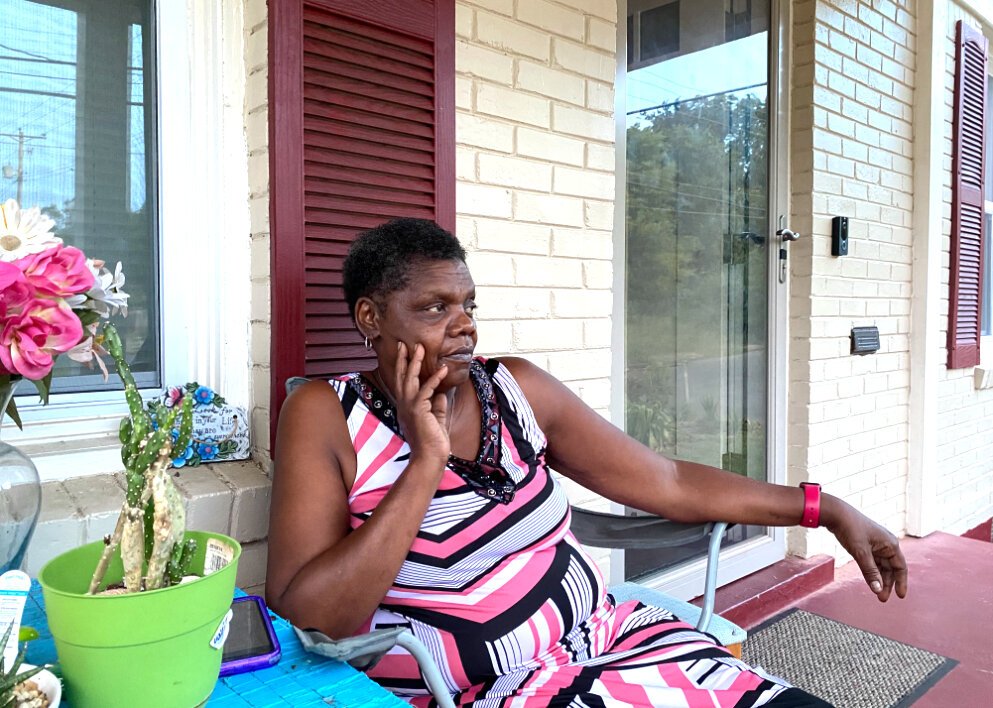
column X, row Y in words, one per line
column 60, row 271
column 30, row 339
column 174, row 394
column 14, row 288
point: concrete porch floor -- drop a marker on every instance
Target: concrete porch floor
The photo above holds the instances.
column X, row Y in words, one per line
column 948, row 609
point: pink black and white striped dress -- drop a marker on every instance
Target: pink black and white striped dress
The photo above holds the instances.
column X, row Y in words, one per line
column 502, row 594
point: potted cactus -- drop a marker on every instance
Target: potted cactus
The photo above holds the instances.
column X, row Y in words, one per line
column 152, row 596
column 150, row 528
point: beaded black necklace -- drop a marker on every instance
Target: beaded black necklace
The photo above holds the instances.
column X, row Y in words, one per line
column 484, row 474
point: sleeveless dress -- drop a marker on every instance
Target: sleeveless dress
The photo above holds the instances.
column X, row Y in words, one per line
column 512, row 608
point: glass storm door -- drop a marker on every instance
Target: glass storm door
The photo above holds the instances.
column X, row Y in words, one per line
column 698, row 222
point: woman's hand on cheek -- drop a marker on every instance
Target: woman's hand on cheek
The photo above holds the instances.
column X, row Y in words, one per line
column 421, row 410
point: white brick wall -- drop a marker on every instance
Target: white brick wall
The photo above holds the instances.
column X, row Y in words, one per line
column 257, row 134
column 535, row 163
column 965, row 415
column 851, row 146
column 535, row 133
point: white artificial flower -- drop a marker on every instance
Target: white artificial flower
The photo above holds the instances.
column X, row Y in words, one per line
column 86, row 352
column 24, row 231
column 106, row 296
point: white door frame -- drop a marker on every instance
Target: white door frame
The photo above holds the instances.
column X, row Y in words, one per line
column 686, row 581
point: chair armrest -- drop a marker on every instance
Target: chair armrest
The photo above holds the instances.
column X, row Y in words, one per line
column 362, row 651
column 596, row 528
column 293, row 382
column 365, row 650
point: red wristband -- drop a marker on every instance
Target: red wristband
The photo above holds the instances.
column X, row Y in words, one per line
column 811, row 505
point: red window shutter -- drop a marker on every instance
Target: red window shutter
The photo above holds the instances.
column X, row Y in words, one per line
column 968, row 169
column 362, row 129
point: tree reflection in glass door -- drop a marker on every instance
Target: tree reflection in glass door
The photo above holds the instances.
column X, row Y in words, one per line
column 697, row 224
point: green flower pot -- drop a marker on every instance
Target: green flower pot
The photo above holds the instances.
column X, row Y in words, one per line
column 140, row 649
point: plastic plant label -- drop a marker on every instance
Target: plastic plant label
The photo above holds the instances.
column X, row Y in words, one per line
column 221, row 635
column 217, row 556
column 14, row 587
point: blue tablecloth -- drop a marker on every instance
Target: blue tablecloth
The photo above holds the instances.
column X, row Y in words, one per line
column 299, row 679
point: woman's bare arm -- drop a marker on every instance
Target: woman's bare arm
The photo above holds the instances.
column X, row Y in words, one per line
column 587, row 448
column 320, row 574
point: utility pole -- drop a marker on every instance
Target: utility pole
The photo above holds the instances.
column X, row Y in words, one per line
column 21, row 139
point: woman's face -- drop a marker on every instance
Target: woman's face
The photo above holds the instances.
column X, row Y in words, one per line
column 436, row 310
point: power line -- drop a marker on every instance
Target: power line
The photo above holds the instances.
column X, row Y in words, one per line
column 24, row 51
column 43, row 60
column 694, row 98
column 10, row 89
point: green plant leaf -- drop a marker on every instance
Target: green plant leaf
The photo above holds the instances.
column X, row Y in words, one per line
column 87, row 316
column 14, row 415
column 3, row 644
column 43, row 385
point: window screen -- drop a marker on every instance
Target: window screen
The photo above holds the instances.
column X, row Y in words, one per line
column 78, row 140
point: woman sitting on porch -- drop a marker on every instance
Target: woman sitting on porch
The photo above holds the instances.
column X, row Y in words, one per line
column 419, row 495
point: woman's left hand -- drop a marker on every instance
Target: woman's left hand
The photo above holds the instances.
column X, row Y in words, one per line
column 875, row 550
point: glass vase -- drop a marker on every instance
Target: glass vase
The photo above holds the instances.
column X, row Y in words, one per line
column 20, row 494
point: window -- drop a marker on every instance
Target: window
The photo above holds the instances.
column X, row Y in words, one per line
column 78, row 139
column 180, row 141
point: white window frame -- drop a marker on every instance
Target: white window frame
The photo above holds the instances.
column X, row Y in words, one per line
column 203, row 220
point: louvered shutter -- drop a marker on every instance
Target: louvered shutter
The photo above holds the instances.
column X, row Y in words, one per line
column 968, row 169
column 362, row 129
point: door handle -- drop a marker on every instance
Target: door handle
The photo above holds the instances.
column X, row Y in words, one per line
column 786, row 235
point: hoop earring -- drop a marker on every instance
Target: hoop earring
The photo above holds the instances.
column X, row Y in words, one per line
column 368, row 344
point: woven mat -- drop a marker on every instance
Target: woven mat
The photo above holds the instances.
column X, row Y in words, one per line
column 843, row 665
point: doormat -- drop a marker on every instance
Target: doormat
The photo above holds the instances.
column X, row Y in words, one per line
column 845, row 666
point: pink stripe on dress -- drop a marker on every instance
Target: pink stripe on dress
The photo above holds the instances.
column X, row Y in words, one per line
column 386, row 455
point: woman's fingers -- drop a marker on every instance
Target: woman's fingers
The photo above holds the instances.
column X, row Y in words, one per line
column 886, row 573
column 412, row 380
column 883, row 567
column 873, row 578
column 408, row 372
column 431, row 385
column 898, row 569
column 438, row 401
column 892, row 567
column 400, row 370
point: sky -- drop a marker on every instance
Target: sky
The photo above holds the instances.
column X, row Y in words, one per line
column 38, row 92
column 717, row 69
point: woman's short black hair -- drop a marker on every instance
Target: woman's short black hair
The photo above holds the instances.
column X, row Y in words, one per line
column 379, row 261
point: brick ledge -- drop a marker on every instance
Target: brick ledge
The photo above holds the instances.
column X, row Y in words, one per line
column 225, row 497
